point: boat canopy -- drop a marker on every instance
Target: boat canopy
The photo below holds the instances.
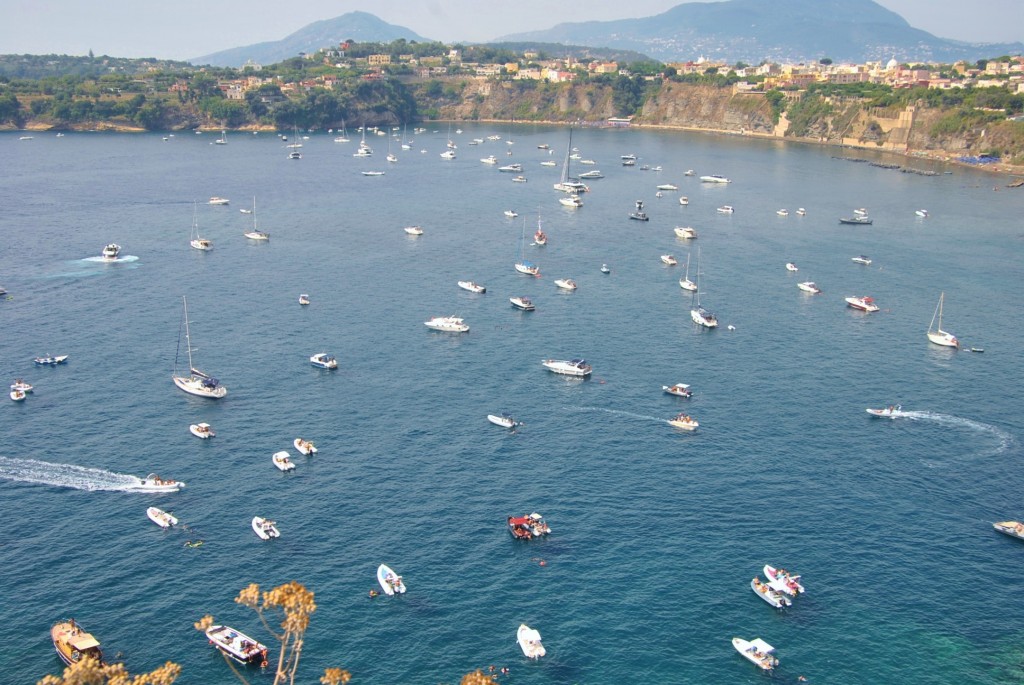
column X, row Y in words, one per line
column 83, row 642
column 520, row 520
column 531, row 634
column 761, row 645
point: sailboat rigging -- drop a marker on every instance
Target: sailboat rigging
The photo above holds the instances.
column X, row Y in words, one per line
column 197, row 382
column 939, row 336
column 700, row 315
column 255, row 233
column 525, row 266
column 194, row 239
column 568, row 184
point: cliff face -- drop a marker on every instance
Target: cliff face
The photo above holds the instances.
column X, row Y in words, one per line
column 708, row 107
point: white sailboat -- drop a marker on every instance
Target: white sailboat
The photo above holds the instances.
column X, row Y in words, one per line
column 255, row 233
column 939, row 336
column 194, row 239
column 567, row 184
column 685, row 283
column 197, row 382
column 700, row 315
column 523, row 265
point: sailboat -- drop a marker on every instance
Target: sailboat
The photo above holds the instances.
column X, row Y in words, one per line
column 701, row 316
column 406, row 143
column 939, row 336
column 685, row 283
column 343, row 138
column 256, row 234
column 539, row 236
column 391, row 156
column 197, row 382
column 195, row 240
column 364, row 149
column 568, row 184
column 294, row 146
column 524, row 266
column 223, row 140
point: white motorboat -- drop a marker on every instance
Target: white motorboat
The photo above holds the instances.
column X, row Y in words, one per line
column 939, row 336
column 511, row 168
column 726, row 209
column 472, row 287
column 390, row 581
column 790, row 266
column 196, row 383
column 194, row 239
column 154, row 483
column 449, row 324
column 490, row 159
column 110, row 252
column 801, row 212
column 295, row 154
column 519, row 179
column 861, row 259
column 679, row 390
column 685, row 232
column 255, row 233
column 593, row 173
column 605, row 269
column 565, row 283
column 588, row 162
column 529, row 642
column 783, row 581
column 685, row 283
column 860, row 212
column 573, row 201
column 305, row 447
column 668, row 260
column 689, row 172
column 218, row 200
column 521, row 302
column 773, row 597
column 201, row 430
column 700, row 315
column 21, row 385
column 51, row 360
column 414, row 230
column 923, row 213
column 782, row 212
column 891, row 412
column 685, row 422
column 282, row 461
column 18, row 395
column 572, row 367
column 161, row 517
column 237, row 646
column 372, row 173
column 503, row 420
column 549, row 163
column 864, row 304
column 757, row 651
column 265, row 528
column 809, row 287
column 324, row 361
column 1015, row 529
column 448, row 154
column 639, row 214
column 714, row 178
column 303, row 299
column 511, row 213
column 684, row 200
column 667, row 186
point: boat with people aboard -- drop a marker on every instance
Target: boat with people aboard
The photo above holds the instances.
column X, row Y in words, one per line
column 72, row 643
column 539, row 236
column 414, row 230
column 237, row 645
column 861, row 259
column 684, row 421
column 154, row 483
column 605, row 269
column 18, row 395
column 565, row 283
column 939, row 336
column 726, row 209
column 773, row 597
column 891, row 412
column 809, row 287
column 265, row 528
column 390, row 581
column 790, row 266
column 303, row 299
column 523, row 265
column 572, row 367
column 714, row 178
column 448, row 324
column 110, row 252
column 639, row 214
column 282, row 461
column 685, row 232
column 782, row 580
column 323, row 360
column 51, row 360
column 679, row 390
column 528, row 526
column 305, row 447
column 504, row 420
column 1015, row 529
column 757, row 651
column 472, row 287
column 864, row 304
column 196, row 382
column 529, row 641
column 21, row 385
column 522, row 302
column 201, row 430
column 668, row 260
column 855, row 220
column 161, row 518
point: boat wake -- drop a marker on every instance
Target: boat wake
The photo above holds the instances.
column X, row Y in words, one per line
column 619, row 412
column 119, row 260
column 1004, row 440
column 65, row 475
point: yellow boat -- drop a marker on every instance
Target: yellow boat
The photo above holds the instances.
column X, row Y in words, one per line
column 73, row 643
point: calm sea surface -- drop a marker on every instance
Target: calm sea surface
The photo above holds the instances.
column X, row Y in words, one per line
column 656, row 533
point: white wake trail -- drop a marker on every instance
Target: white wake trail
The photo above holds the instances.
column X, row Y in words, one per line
column 65, row 475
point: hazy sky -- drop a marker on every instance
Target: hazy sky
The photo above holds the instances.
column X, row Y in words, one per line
column 189, row 28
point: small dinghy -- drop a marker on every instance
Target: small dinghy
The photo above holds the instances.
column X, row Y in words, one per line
column 304, row 446
column 161, row 518
column 19, row 384
column 890, row 412
column 790, row 266
column 565, row 283
column 18, row 395
column 201, row 430
column 503, row 420
column 390, row 581
column 282, row 462
column 265, row 528
column 529, row 641
column 154, row 483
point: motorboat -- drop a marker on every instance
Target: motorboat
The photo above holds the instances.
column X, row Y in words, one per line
column 864, row 304
column 448, row 154
column 154, row 483
column 372, row 173
column 790, row 266
column 529, row 642
column 305, row 447
column 51, row 360
column 667, row 186
column 503, row 420
column 511, row 213
column 659, row 194
column 255, row 233
column 161, row 517
column 891, row 412
column 684, row 421
column 522, row 302
column 324, row 361
column 689, row 172
column 726, row 209
column 110, row 252
column 573, row 201
column 18, row 395
column 73, row 644
column 519, row 179
column 472, row 287
column 939, row 336
column 363, row 152
column 782, row 212
column 295, row 154
column 628, row 158
column 21, row 385
column 282, row 461
column 639, row 214
column 572, row 367
column 757, row 651
column 543, row 146
column 783, row 581
column 448, row 324
column 593, row 173
column 605, row 269
column 714, row 178
column 265, row 528
column 201, row 430
column 923, row 213
column 490, row 159
column 861, row 259
column 303, row 299
column 514, row 168
column 528, row 526
column 809, row 287
column 414, row 230
column 860, row 212
column 801, row 211
column 679, row 390
column 1015, row 529
column 668, row 260
column 196, row 383
column 684, row 200
column 565, row 283
column 685, row 232
column 629, row 162
column 549, row 163
column 773, row 597
column 218, row 200
column 237, row 645
column 390, row 581
column 862, row 220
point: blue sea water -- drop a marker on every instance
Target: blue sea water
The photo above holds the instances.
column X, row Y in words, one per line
column 656, row 533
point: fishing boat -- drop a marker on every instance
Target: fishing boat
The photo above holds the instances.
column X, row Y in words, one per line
column 773, row 597
column 110, row 252
column 891, row 412
column 757, row 651
column 282, row 461
column 161, row 517
column 265, row 528
column 448, row 324
column 939, row 336
column 572, row 367
column 522, row 302
column 201, row 430
column 809, row 287
column 73, row 644
column 323, row 360
column 529, row 642
column 864, row 304
column 503, row 420
column 390, row 581
column 700, row 315
column 861, row 259
column 1015, row 529
column 255, row 233
column 305, row 447
column 685, row 232
column 237, row 645
column 679, row 390
column 194, row 239
column 668, row 260
column 565, row 283
column 639, row 214
column 154, row 483
column 685, row 422
column 472, row 287
column 685, row 283
column 782, row 580
column 51, row 360
column 196, row 383
column 523, row 265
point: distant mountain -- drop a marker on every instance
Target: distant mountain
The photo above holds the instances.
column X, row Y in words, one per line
column 359, row 26
column 776, row 30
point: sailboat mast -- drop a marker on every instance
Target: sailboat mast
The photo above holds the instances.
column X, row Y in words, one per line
column 188, row 337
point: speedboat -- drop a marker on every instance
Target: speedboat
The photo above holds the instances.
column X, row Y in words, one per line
column 790, row 266
column 265, row 528
column 572, row 367
column 685, row 232
column 161, row 517
column 323, row 361
column 304, row 446
column 51, row 360
column 593, row 173
column 521, row 302
column 503, row 420
column 809, row 287
column 519, row 179
column 490, row 159
column 668, row 260
column 201, row 430
column 783, row 212
column 689, row 172
column 714, row 178
column 548, row 163
column 923, row 213
column 372, row 173
column 801, row 212
column 679, row 390
column 639, row 214
column 565, row 283
column 520, row 528
column 237, row 646
column 891, row 412
column 685, row 422
column 773, row 597
column 667, row 186
column 449, row 324
column 21, row 385
column 573, row 201
column 414, row 230
column 390, row 581
column 472, row 287
column 110, row 252
column 783, row 581
column 757, row 651
column 861, row 259
column 154, row 483
column 1015, row 529
column 864, row 304
column 529, row 642
column 18, row 395
column 684, row 200
column 726, row 209
column 511, row 213
column 867, row 221
column 605, row 269
column 303, row 298
column 511, row 168
column 219, row 200
column 73, row 644
column 282, row 462
column 448, row 154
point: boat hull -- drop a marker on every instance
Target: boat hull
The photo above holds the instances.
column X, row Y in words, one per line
column 72, row 644
column 390, row 582
column 196, row 387
column 161, row 517
column 503, row 421
column 529, row 642
column 237, row 646
column 304, row 446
